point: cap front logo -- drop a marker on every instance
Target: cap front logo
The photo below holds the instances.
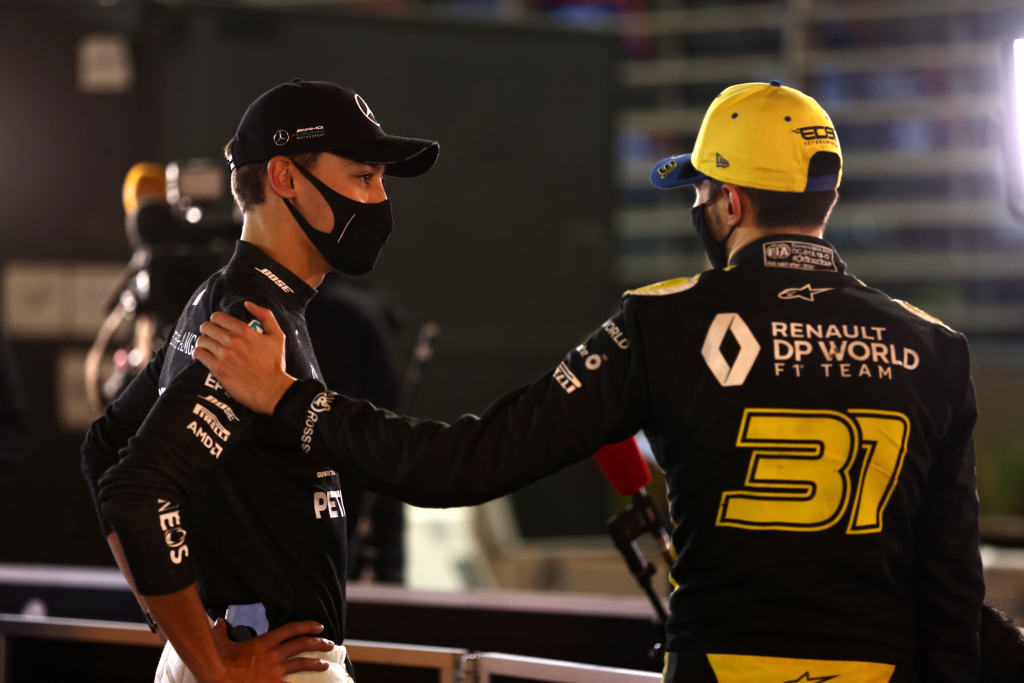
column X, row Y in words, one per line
column 365, row 108
column 720, row 161
column 281, row 138
column 667, row 168
column 816, row 133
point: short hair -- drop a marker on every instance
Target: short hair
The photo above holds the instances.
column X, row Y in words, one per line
column 782, row 209
column 247, row 181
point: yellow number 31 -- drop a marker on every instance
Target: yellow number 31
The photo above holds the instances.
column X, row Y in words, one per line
column 798, row 478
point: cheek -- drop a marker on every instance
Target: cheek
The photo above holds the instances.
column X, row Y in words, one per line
column 715, row 219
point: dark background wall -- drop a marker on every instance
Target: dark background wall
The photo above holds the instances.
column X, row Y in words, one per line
column 506, row 243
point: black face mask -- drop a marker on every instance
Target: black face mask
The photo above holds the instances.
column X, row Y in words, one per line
column 714, row 250
column 359, row 232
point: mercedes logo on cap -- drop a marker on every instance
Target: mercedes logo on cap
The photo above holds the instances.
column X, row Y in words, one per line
column 365, row 108
column 281, row 137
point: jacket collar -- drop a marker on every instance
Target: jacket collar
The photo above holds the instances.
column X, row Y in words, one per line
column 791, row 252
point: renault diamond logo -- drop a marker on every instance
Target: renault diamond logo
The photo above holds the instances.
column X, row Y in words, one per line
column 736, row 374
column 281, row 138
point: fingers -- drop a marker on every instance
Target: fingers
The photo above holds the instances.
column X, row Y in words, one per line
column 265, row 316
column 303, row 664
column 211, row 350
column 215, row 331
column 229, row 323
column 296, row 646
column 204, row 357
column 292, row 630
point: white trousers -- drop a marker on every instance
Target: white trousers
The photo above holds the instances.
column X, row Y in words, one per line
column 172, row 670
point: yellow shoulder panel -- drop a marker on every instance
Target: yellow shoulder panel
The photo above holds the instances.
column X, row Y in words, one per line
column 680, row 284
column 921, row 314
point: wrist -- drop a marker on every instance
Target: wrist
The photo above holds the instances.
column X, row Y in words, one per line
column 277, row 391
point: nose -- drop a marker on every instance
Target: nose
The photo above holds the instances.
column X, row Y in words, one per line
column 377, row 192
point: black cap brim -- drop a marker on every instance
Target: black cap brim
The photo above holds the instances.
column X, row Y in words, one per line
column 402, row 157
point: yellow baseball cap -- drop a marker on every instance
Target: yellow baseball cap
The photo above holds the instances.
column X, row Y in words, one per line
column 762, row 135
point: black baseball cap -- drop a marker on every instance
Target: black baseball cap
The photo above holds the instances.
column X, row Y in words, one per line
column 318, row 116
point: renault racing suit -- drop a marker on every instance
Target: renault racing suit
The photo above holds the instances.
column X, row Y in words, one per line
column 817, row 441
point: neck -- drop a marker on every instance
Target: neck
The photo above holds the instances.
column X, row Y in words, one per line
column 276, row 233
column 747, row 234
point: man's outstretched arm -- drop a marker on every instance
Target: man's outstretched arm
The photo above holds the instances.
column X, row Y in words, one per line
column 596, row 395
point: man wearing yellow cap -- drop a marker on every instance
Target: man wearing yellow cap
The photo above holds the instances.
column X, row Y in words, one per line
column 816, row 435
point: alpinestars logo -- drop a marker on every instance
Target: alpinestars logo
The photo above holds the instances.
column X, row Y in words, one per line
column 275, row 279
column 805, row 293
column 806, row 678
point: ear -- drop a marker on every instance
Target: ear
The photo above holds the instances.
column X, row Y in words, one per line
column 281, row 176
column 734, row 204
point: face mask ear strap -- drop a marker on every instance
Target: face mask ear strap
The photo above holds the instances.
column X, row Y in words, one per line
column 317, row 183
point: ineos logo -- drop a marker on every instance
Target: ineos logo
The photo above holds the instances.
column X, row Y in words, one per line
column 281, row 138
column 365, row 108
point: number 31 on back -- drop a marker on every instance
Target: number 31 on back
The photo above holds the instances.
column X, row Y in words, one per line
column 798, row 478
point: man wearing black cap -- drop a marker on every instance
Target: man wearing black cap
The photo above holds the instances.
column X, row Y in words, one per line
column 211, row 505
column 816, row 434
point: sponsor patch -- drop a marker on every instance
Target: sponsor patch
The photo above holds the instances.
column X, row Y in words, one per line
column 310, row 132
column 210, row 443
column 275, row 279
column 799, row 256
column 566, row 379
column 329, row 502
column 224, row 408
column 617, row 334
column 169, row 517
column 184, row 342
column 805, row 293
column 207, row 416
column 321, row 403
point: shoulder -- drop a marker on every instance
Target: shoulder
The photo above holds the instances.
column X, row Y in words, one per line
column 666, row 287
column 923, row 315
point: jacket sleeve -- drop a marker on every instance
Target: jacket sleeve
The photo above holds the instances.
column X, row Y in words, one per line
column 192, row 424
column 119, row 422
column 596, row 395
column 949, row 574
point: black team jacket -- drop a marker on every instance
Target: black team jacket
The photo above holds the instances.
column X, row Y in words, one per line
column 817, row 440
